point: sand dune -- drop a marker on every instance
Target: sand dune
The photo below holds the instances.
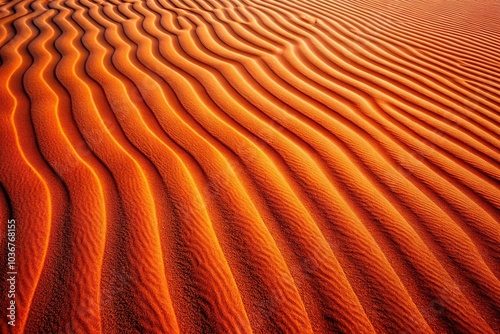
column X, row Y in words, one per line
column 238, row 166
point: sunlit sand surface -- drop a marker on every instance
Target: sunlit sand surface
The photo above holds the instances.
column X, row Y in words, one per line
column 251, row 166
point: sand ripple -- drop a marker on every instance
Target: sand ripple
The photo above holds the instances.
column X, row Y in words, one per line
column 238, row 166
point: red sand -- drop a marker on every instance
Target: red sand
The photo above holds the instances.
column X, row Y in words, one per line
column 237, row 166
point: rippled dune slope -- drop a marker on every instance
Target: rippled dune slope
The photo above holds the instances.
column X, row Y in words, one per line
column 239, row 166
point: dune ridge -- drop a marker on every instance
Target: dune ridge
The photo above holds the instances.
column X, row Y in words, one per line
column 239, row 166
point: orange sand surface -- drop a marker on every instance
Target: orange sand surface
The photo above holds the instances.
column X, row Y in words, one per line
column 251, row 166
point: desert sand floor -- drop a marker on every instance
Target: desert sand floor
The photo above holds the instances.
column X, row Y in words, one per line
column 239, row 166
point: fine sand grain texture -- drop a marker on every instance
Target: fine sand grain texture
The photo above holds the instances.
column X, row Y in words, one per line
column 251, row 166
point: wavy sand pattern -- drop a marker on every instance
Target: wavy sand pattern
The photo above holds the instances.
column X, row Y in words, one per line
column 265, row 166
